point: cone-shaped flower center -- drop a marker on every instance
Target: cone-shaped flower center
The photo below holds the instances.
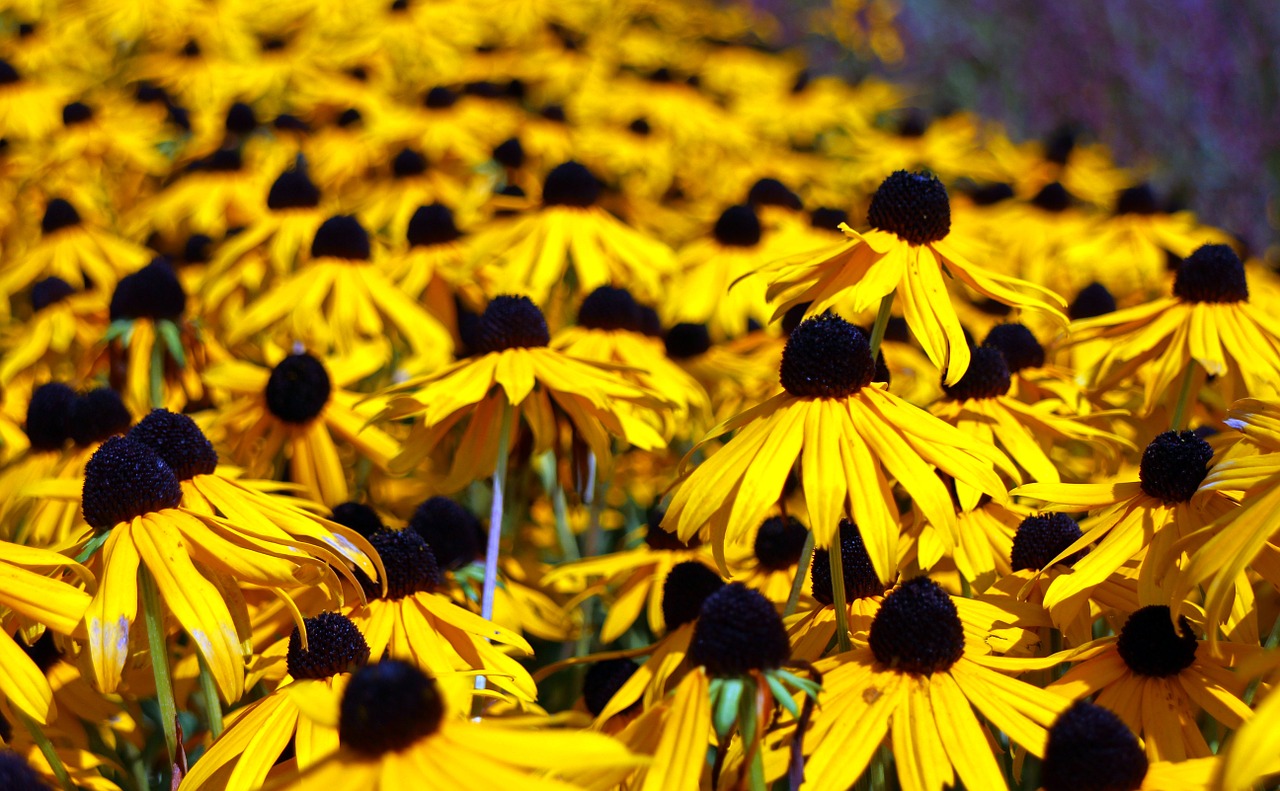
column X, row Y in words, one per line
column 738, row 631
column 1052, row 197
column 198, row 249
column 240, row 119
column 603, row 681
column 570, row 184
column 439, row 98
column 388, row 706
column 349, row 118
column 408, row 163
column 686, row 341
column 359, row 517
column 334, row 645
column 687, row 586
column 1091, row 749
column 1039, row 539
column 179, row 441
column 827, row 218
column 410, row 564
column 779, row 543
column 153, row 292
column 293, row 189
column 97, row 415
column 49, row 414
column 1173, row 465
column 509, row 153
column 1213, row 273
column 341, row 236
column 609, row 308
column 298, row 388
column 1137, row 200
column 58, row 214
column 1149, row 645
column 914, row 206
column 771, row 192
column 917, row 629
column 453, row 533
column 123, row 479
column 826, row 357
column 738, row 226
column 641, row 126
column 1020, row 348
column 1093, row 300
column 511, row 322
column 431, row 225
column 860, row 580
column 986, row 377
column 49, row 291
column 991, row 194
column 8, row 74
column 76, row 113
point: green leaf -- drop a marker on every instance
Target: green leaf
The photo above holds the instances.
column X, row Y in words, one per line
column 781, row 694
column 93, row 546
column 726, row 707
column 172, row 341
column 120, row 328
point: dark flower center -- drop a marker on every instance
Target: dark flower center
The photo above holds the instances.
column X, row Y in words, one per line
column 341, row 236
column 293, row 189
column 49, row 291
column 1020, row 348
column 1093, row 300
column 1149, row 645
column 388, row 706
column 1039, row 539
column 917, row 629
column 991, row 194
column 298, row 388
column 914, row 123
column 571, row 184
column 1052, row 197
column 686, row 341
column 153, row 292
column 408, row 163
column 914, row 206
column 640, row 126
column 828, row 219
column 439, row 98
column 49, row 413
column 661, row 540
column 687, row 585
column 8, row 74
column 58, row 214
column 179, row 441
column 1059, row 144
column 453, row 533
column 287, row 122
column 198, row 249
column 359, row 517
column 432, row 225
column 779, row 543
column 1137, row 200
column 511, row 322
column 609, row 308
column 97, row 415
column 18, row 775
column 738, row 631
column 44, row 652
column 1173, row 466
column 603, row 681
column 738, row 226
column 771, row 192
column 123, row 479
column 240, row 119
column 860, row 578
column 224, row 160
column 1091, row 749
column 348, row 118
column 334, row 645
column 986, row 377
column 76, row 113
column 1213, row 273
column 826, row 357
column 410, row 564
column 554, row 112
column 509, row 153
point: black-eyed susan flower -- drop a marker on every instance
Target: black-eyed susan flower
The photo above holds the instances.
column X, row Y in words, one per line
column 63, row 325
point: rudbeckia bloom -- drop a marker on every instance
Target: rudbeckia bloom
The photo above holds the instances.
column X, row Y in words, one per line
column 436, row 268
column 215, row 193
column 64, row 324
column 906, row 253
column 29, row 108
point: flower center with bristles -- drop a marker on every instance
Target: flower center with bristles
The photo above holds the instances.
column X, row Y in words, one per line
column 17, row 774
column 511, row 322
column 58, row 214
column 49, row 414
column 123, row 479
column 410, row 564
column 153, row 292
column 453, row 533
column 1149, row 645
column 1052, row 197
column 179, row 441
column 603, row 681
column 97, row 415
column 1213, row 273
column 388, row 706
column 860, row 578
column 917, row 629
column 241, row 119
column 914, row 206
column 1173, row 466
column 439, row 98
column 571, row 184
column 341, row 236
column 1093, row 300
column 986, row 377
column 738, row 631
column 1091, row 749
column 293, row 189
column 334, row 645
column 640, row 126
column 359, row 517
column 685, row 341
column 408, row 163
column 1020, row 348
column 509, row 153
column 779, row 543
column 49, row 291
column 298, row 388
column 432, row 225
column 687, row 586
column 771, row 192
column 609, row 308
column 738, row 226
column 76, row 113
column 1039, row 539
column 198, row 249
column 348, row 118
column 1137, row 200
column 826, row 357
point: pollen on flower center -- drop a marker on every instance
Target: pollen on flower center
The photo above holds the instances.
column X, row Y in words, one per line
column 411, row 566
column 571, row 184
column 49, row 291
column 49, row 413
column 686, row 341
column 917, row 629
column 860, row 579
column 334, row 645
column 826, row 357
column 779, row 543
column 687, row 586
column 738, row 226
column 293, row 189
column 609, row 308
column 388, row 706
column 298, row 388
column 1020, row 348
column 341, row 236
column 738, row 631
column 914, row 206
column 1039, row 539
column 453, row 533
column 153, row 292
column 1091, row 749
column 511, row 322
column 603, row 681
column 123, row 479
column 1213, row 273
column 432, row 225
column 986, row 377
column 1173, row 465
column 359, row 517
column 179, row 441
column 97, row 415
column 1149, row 645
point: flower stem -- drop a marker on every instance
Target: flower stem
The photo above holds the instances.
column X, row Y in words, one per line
column 153, row 614
column 882, row 323
column 495, row 517
column 156, row 374
column 46, row 749
column 212, row 703
column 837, row 594
column 797, row 585
column 1184, row 396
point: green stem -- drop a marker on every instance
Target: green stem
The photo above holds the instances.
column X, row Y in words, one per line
column 797, row 585
column 882, row 323
column 153, row 614
column 1184, row 396
column 495, row 520
column 212, row 703
column 837, row 594
column 46, row 749
column 156, row 373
